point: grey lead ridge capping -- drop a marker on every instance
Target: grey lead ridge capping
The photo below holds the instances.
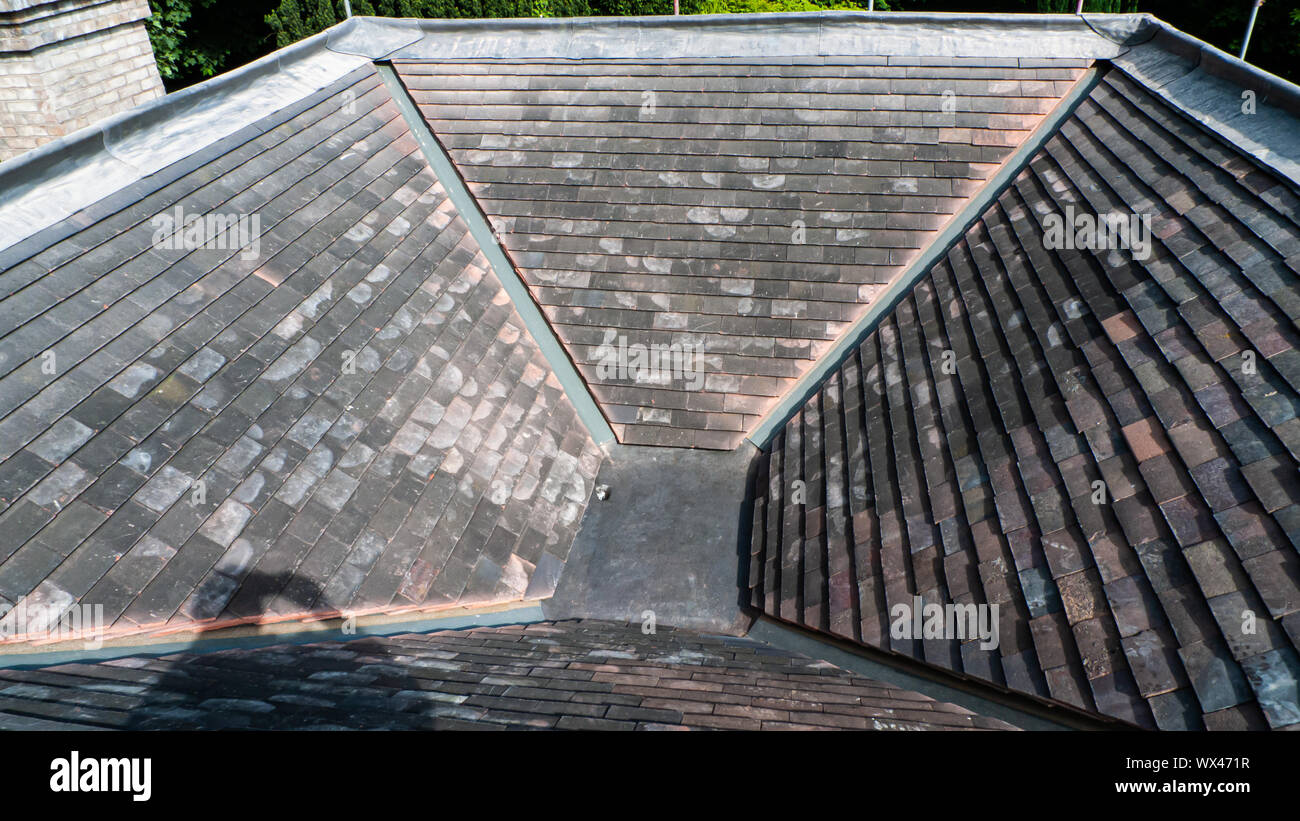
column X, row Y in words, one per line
column 1207, row 85
column 51, row 183
column 575, row 387
column 800, row 34
column 813, row 378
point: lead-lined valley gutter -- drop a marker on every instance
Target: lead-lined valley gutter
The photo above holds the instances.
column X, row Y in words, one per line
column 812, row 379
column 575, row 387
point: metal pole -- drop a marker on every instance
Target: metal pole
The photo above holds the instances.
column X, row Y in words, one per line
column 1254, row 12
column 1079, row 8
column 347, row 8
column 677, row 8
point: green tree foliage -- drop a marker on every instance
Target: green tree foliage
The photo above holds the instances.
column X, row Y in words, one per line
column 1274, row 46
column 771, row 6
column 1089, row 6
column 293, row 20
column 196, row 39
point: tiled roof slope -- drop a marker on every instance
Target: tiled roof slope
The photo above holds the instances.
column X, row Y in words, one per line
column 974, row 483
column 566, row 675
column 444, row 465
column 753, row 207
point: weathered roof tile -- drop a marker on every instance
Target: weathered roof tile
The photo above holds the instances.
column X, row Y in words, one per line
column 689, row 197
column 1182, row 478
column 212, row 411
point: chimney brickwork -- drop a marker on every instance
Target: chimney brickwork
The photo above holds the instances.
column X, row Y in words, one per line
column 67, row 64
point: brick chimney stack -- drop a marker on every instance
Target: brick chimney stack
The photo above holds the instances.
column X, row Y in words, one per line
column 65, row 64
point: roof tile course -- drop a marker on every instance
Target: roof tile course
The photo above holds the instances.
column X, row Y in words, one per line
column 565, row 675
column 350, row 418
column 1045, row 429
column 751, row 209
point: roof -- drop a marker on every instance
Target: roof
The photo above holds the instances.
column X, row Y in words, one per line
column 352, row 418
column 1103, row 445
column 746, row 209
column 411, row 386
column 568, row 675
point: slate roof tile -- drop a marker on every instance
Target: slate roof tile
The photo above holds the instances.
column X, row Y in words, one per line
column 239, row 417
column 707, row 199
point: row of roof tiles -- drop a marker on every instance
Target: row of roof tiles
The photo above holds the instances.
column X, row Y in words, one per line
column 566, row 675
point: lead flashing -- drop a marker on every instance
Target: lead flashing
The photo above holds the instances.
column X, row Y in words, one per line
column 373, row 37
column 299, row 632
column 1210, row 86
column 575, row 388
column 812, row 379
column 51, row 183
column 801, row 34
column 980, row 697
